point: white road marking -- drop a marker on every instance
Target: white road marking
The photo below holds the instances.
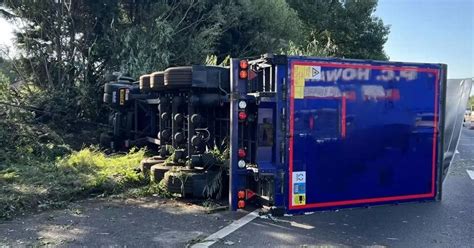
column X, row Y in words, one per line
column 232, row 227
column 471, row 174
column 292, row 223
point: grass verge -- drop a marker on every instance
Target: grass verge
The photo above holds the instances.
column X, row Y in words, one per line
column 36, row 186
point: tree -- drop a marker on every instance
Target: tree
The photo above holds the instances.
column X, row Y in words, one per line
column 68, row 46
column 257, row 27
column 64, row 49
column 174, row 33
column 349, row 25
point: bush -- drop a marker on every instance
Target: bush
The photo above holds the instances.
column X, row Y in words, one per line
column 22, row 137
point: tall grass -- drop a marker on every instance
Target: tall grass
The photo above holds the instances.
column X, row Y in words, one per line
column 42, row 185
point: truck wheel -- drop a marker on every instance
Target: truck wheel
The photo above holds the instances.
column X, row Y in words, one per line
column 147, row 163
column 195, row 181
column 174, row 180
column 145, row 83
column 157, row 81
column 178, row 76
column 157, row 172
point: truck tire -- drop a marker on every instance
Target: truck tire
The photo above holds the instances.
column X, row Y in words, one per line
column 178, row 76
column 157, row 81
column 145, row 83
column 157, row 172
column 174, row 180
column 147, row 163
column 195, row 182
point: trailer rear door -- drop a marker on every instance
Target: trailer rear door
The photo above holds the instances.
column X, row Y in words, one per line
column 362, row 132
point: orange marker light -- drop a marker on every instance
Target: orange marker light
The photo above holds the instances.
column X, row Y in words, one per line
column 241, row 204
column 241, row 194
column 244, row 64
column 243, row 74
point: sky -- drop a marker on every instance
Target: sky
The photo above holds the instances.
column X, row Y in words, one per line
column 432, row 31
column 6, row 33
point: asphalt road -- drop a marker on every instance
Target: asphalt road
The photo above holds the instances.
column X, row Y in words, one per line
column 449, row 223
column 116, row 222
column 156, row 222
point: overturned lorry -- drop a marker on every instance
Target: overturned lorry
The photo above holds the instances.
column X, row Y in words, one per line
column 293, row 133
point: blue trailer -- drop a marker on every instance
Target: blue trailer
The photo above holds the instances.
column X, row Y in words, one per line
column 296, row 133
column 344, row 132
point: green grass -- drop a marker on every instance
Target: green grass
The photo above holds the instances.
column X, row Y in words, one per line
column 42, row 185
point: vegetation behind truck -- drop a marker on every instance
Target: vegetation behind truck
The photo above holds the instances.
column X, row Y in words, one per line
column 293, row 133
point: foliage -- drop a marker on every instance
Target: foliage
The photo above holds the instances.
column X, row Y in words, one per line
column 21, row 139
column 66, row 47
column 139, row 46
column 152, row 189
column 313, row 48
column 215, row 186
column 350, row 26
column 6, row 67
column 107, row 173
column 63, row 50
column 41, row 185
column 257, row 27
column 212, row 60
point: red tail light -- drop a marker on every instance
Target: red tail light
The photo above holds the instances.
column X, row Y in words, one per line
column 241, row 204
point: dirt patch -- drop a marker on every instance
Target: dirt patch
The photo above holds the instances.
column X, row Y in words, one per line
column 151, row 221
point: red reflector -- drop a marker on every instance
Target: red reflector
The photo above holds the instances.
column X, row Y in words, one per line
column 250, row 194
column 244, row 64
column 252, row 75
column 242, row 153
column 241, row 194
column 241, row 204
column 243, row 74
column 242, row 116
column 311, row 122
